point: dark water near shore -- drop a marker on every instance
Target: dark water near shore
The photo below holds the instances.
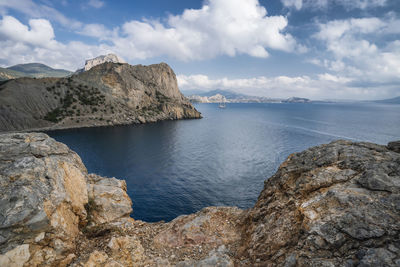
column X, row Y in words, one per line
column 178, row 167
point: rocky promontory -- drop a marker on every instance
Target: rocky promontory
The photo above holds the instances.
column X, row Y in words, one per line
column 106, row 94
column 90, row 63
column 331, row 205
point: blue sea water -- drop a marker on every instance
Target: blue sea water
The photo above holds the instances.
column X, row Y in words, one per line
column 178, row 167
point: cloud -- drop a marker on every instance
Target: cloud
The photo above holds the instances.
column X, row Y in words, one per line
column 96, row 3
column 33, row 10
column 323, row 86
column 355, row 53
column 39, row 34
column 99, row 31
column 320, row 4
column 36, row 43
column 298, row 4
column 220, row 27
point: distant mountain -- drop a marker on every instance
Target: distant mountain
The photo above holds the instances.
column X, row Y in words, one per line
column 227, row 93
column 216, row 96
column 296, row 100
column 191, row 92
column 32, row 70
column 395, row 100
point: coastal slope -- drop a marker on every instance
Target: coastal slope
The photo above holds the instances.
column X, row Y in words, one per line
column 330, row 205
column 33, row 70
column 107, row 94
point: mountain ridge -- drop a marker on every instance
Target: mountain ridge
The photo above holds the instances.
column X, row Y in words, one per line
column 32, row 70
column 107, row 94
column 228, row 96
column 394, row 100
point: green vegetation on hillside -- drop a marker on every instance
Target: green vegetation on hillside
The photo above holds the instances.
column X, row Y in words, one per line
column 32, row 70
column 77, row 96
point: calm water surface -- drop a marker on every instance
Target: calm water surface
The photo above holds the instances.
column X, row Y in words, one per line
column 178, row 167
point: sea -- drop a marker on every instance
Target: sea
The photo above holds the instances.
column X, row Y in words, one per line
column 174, row 168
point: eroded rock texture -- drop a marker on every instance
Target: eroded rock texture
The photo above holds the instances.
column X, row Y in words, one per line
column 331, row 205
column 44, row 197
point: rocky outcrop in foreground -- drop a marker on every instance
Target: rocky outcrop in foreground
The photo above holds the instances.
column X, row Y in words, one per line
column 331, row 205
column 106, row 94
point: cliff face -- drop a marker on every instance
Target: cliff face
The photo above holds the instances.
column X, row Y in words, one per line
column 107, row 94
column 90, row 63
column 331, row 205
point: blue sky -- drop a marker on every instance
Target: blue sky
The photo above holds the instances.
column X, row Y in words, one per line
column 321, row 49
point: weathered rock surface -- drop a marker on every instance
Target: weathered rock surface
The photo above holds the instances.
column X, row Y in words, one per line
column 331, row 205
column 107, row 94
column 44, row 198
column 90, row 63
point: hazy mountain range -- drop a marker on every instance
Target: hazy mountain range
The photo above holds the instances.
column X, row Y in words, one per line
column 32, row 70
column 395, row 100
column 216, row 96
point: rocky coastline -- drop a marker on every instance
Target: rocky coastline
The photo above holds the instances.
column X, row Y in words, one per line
column 106, row 94
column 331, row 205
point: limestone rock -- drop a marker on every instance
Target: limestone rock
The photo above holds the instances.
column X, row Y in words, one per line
column 331, row 205
column 90, row 63
column 44, row 194
column 200, row 228
column 109, row 198
column 15, row 257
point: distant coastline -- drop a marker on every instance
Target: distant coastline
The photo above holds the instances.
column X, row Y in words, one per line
column 227, row 96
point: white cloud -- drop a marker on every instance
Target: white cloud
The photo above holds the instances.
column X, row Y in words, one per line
column 37, row 43
column 355, row 54
column 324, row 86
column 39, row 34
column 98, row 31
column 220, row 27
column 96, row 3
column 347, row 4
column 34, row 10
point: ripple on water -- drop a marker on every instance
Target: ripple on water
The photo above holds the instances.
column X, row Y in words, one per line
column 178, row 167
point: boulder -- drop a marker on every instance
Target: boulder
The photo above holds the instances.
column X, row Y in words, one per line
column 394, row 146
column 44, row 198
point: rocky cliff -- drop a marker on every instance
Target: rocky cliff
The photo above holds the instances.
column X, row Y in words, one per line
column 107, row 94
column 331, row 205
column 90, row 63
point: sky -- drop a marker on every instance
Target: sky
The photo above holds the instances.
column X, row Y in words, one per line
column 319, row 49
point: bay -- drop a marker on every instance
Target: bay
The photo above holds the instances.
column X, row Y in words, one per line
column 178, row 167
